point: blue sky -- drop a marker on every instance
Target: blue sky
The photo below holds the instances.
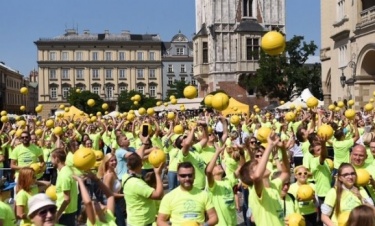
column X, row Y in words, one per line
column 24, row 21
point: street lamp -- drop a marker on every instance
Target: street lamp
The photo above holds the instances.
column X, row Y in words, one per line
column 351, row 80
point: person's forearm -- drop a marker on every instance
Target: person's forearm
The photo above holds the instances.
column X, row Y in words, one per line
column 159, row 186
column 63, row 206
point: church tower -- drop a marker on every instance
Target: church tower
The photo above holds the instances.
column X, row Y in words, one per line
column 227, row 43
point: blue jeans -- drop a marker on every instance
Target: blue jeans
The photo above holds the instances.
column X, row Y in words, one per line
column 172, row 180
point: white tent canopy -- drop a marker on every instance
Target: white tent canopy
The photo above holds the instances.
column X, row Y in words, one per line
column 190, row 104
column 300, row 100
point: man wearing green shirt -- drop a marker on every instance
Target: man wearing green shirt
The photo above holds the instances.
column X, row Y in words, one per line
column 66, row 189
column 358, row 157
column 25, row 154
column 187, row 203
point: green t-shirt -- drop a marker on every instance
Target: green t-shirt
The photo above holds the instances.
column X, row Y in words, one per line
column 107, row 139
column 370, row 157
column 47, row 154
column 95, row 138
column 322, row 176
column 199, row 166
column 184, row 206
column 65, row 182
column 22, row 198
column 206, row 152
column 7, row 215
column 267, row 209
column 348, row 201
column 341, row 152
column 174, row 160
column 26, row 155
column 109, row 217
column 305, row 207
column 139, row 206
column 223, row 200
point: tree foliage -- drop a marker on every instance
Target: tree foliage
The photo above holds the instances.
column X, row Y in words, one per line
column 125, row 103
column 287, row 75
column 176, row 89
column 79, row 100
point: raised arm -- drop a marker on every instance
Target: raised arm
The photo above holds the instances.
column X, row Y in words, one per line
column 212, row 164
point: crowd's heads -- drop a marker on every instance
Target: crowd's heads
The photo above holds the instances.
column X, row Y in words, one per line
column 186, row 175
column 134, row 161
column 363, row 215
column 42, row 210
column 358, row 155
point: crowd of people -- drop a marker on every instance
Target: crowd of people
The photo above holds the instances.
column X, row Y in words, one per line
column 212, row 164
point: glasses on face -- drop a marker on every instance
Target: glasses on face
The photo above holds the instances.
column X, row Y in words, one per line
column 252, row 142
column 190, row 175
column 24, row 137
column 44, row 212
column 258, row 156
column 348, row 174
column 302, row 173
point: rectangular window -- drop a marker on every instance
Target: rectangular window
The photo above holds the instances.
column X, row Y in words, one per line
column 342, row 56
column 139, row 56
column 152, row 56
column 340, row 10
column 152, row 73
column 170, row 80
column 205, row 52
column 108, row 56
column 141, row 89
column 53, row 92
column 122, row 88
column 192, row 69
column 139, row 73
column 108, row 73
column 95, row 73
column 78, row 55
column 65, row 92
column 64, row 56
column 183, row 70
column 95, row 56
column 152, row 91
column 52, row 56
column 96, row 89
column 180, row 51
column 109, row 92
column 79, row 73
column 193, row 82
column 121, row 56
column 170, row 68
column 252, row 49
column 247, row 8
column 65, row 73
column 52, row 74
column 183, row 79
column 122, row 73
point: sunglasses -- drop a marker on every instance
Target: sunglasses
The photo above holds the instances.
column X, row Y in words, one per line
column 24, row 137
column 44, row 212
column 300, row 173
column 258, row 156
column 348, row 174
column 252, row 142
column 190, row 175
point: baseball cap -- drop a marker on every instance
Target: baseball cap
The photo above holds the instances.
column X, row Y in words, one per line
column 5, row 185
column 39, row 201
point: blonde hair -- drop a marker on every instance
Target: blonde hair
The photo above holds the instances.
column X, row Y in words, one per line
column 103, row 167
